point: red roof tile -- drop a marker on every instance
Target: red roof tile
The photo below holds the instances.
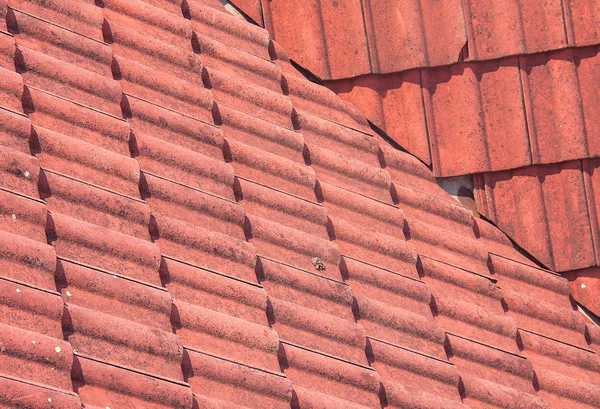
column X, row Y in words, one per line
column 210, row 229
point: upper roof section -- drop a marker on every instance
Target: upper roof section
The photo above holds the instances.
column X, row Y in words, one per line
column 348, row 38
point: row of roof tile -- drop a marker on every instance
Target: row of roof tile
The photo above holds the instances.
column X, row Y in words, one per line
column 352, row 38
column 244, row 244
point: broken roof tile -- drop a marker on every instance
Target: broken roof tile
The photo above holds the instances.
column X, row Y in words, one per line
column 408, row 34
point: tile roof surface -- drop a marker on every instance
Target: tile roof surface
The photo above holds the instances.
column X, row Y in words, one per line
column 492, row 89
column 188, row 222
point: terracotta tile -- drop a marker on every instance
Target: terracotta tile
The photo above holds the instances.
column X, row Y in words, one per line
column 539, row 207
column 100, row 384
column 35, row 395
column 584, row 285
column 323, row 380
column 327, row 38
column 476, row 109
column 498, row 29
column 406, row 34
column 560, row 91
column 591, row 177
column 394, row 103
column 225, row 381
column 80, row 16
column 581, row 17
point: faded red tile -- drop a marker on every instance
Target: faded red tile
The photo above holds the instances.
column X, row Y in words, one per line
column 561, row 94
column 394, row 103
column 328, row 38
column 406, row 34
column 501, row 28
column 476, row 118
column 544, row 209
column 585, row 287
column 582, row 22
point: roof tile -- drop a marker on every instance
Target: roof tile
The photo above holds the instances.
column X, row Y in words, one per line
column 235, row 383
column 508, row 28
column 27, row 261
column 101, row 385
column 328, row 38
column 581, row 17
column 394, row 103
column 539, row 207
column 408, row 33
column 154, row 21
column 543, row 308
column 23, row 216
column 412, row 378
column 35, row 396
column 79, row 16
column 30, row 308
column 77, row 49
column 565, row 374
column 235, row 62
column 561, row 91
column 591, row 177
column 86, row 202
column 476, row 109
column 205, row 247
column 261, row 102
column 103, row 248
column 322, row 381
column 230, row 30
column 11, row 90
column 15, row 131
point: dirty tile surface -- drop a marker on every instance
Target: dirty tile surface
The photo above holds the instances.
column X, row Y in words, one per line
column 188, row 222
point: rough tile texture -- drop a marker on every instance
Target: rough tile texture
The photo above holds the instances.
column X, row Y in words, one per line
column 472, row 88
column 189, row 223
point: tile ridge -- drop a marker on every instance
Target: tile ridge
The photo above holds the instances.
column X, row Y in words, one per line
column 35, row 199
column 35, row 287
column 488, row 345
column 278, row 190
column 74, row 102
column 337, row 358
column 111, row 273
column 414, row 351
column 13, row 112
column 188, row 186
column 384, row 269
column 199, row 351
column 169, row 109
column 490, row 278
column 56, row 25
column 39, row 385
column 123, row 195
column 130, row 369
column 187, row 263
column 557, row 340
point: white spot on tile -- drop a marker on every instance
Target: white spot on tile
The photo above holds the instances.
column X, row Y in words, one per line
column 26, row 173
column 14, row 216
column 57, row 349
column 68, row 294
column 49, row 399
column 18, row 290
column 33, row 342
column 583, row 286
